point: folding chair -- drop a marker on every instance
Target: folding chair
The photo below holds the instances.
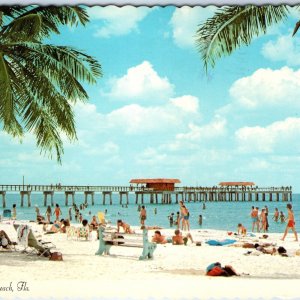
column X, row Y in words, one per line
column 31, row 245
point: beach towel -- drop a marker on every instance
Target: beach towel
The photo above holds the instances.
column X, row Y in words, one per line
column 220, row 242
column 22, row 233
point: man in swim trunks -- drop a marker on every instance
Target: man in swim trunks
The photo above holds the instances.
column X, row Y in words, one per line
column 291, row 223
column 254, row 217
column 143, row 215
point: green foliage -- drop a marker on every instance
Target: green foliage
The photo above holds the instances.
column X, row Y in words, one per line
column 40, row 82
column 234, row 26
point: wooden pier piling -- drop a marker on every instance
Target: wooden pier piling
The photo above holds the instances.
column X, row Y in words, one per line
column 86, row 193
column 46, row 193
column 3, row 193
column 67, row 193
column 23, row 193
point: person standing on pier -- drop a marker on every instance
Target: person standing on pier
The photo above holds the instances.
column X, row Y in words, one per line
column 291, row 223
column 143, row 215
column 57, row 212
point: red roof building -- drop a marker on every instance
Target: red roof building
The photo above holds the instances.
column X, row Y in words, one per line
column 157, row 184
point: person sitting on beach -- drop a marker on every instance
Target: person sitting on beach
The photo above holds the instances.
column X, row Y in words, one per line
column 54, row 228
column 64, row 225
column 126, row 227
column 94, row 224
column 5, row 240
column 158, row 238
column 241, row 229
column 178, row 239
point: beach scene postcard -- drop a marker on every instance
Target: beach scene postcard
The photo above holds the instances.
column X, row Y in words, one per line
column 149, row 151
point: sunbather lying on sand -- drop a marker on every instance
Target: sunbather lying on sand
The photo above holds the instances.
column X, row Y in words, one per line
column 126, row 227
column 158, row 238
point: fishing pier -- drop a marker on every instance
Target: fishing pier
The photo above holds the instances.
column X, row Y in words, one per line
column 153, row 191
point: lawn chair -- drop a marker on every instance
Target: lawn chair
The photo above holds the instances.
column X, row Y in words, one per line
column 31, row 245
column 84, row 232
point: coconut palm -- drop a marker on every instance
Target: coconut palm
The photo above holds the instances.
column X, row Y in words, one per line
column 40, row 83
column 234, row 26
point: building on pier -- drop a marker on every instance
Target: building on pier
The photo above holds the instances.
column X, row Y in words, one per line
column 158, row 184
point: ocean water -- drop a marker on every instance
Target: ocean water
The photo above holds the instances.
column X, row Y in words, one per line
column 217, row 215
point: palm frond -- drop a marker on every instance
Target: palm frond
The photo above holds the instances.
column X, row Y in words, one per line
column 53, row 17
column 7, row 104
column 234, row 26
column 22, row 29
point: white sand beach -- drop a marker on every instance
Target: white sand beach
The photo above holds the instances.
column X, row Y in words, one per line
column 176, row 272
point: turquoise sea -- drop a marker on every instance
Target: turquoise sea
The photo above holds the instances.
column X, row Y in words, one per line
column 217, row 215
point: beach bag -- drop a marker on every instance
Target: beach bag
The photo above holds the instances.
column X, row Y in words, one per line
column 217, row 271
column 56, row 256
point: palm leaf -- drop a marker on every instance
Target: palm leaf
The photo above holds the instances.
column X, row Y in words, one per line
column 26, row 28
column 53, row 17
column 7, row 104
column 234, row 26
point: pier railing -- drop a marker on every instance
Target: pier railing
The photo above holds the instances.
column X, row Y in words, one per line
column 215, row 193
column 108, row 188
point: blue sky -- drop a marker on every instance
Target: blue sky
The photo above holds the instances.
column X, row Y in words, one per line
column 155, row 113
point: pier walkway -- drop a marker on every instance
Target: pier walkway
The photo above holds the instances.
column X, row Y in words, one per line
column 201, row 194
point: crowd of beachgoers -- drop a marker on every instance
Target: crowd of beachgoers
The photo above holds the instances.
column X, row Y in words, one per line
column 182, row 255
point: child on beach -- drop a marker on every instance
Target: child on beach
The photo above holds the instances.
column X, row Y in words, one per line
column 143, row 215
column 241, row 229
column 177, row 222
column 291, row 223
column 14, row 212
column 171, row 219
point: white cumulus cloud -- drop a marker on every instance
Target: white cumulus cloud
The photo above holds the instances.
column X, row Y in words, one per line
column 278, row 137
column 286, row 48
column 141, row 83
column 117, row 20
column 268, row 87
column 184, row 23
